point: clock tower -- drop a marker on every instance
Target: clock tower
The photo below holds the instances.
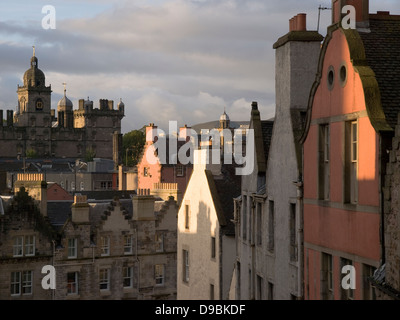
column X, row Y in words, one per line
column 34, row 99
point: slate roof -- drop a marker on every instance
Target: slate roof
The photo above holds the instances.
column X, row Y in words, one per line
column 58, row 212
column 266, row 127
column 223, row 189
column 382, row 49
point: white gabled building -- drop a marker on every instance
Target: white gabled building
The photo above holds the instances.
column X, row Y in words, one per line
column 206, row 240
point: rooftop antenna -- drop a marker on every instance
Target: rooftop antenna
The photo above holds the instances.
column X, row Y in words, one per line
column 321, row 8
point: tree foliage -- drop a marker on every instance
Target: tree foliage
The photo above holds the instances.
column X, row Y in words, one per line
column 132, row 146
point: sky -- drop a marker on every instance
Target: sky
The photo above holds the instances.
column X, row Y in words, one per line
column 168, row 60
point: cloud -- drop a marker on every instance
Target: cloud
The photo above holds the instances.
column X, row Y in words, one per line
column 182, row 60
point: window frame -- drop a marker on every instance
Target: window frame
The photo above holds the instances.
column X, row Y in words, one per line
column 128, row 245
column 105, row 246
column 104, row 279
column 29, row 246
column 185, row 266
column 18, row 246
column 159, row 274
column 73, row 286
column 15, row 283
column 73, row 248
column 127, row 275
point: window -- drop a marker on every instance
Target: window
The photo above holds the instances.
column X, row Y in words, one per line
column 159, row 242
column 145, row 171
column 187, row 217
column 27, row 282
column 212, row 292
column 238, row 281
column 270, row 291
column 368, row 290
column 331, row 78
column 18, row 246
column 106, row 185
column 105, row 246
column 15, row 283
column 345, row 294
column 179, row 170
column 251, row 292
column 104, row 279
column 327, row 277
column 72, row 186
column 21, row 283
column 72, row 283
column 259, row 295
column 271, row 227
column 72, row 248
column 127, row 273
column 82, row 187
column 343, row 75
column 244, row 218
column 324, row 168
column 185, row 268
column 351, row 163
column 29, row 245
column 259, row 223
column 128, row 244
column 159, row 274
column 213, row 248
column 293, row 233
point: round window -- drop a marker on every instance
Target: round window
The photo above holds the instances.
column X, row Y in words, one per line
column 343, row 75
column 331, row 78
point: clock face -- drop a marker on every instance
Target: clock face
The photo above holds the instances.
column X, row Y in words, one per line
column 39, row 104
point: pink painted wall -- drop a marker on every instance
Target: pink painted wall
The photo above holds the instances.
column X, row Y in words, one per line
column 331, row 225
column 161, row 173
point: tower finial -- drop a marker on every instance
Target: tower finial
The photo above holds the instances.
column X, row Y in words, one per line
column 33, row 50
column 65, row 88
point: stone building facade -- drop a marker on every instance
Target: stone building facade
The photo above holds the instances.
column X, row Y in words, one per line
column 33, row 128
column 206, row 242
column 119, row 249
column 386, row 279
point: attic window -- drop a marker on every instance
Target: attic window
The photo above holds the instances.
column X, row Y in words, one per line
column 343, row 75
column 331, row 78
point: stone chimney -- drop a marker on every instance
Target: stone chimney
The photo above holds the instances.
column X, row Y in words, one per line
column 362, row 11
column 143, row 205
column 151, row 133
column 184, row 133
column 80, row 209
column 296, row 56
column 36, row 186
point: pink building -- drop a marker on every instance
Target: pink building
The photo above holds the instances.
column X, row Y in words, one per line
column 351, row 116
column 153, row 170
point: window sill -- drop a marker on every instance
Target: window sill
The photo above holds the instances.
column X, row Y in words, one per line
column 105, row 292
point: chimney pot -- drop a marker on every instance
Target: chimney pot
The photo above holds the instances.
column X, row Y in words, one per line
column 295, row 23
column 301, row 22
column 291, row 26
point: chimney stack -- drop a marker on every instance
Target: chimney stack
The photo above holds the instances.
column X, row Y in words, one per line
column 80, row 210
column 151, row 133
column 362, row 11
column 143, row 206
column 184, row 133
